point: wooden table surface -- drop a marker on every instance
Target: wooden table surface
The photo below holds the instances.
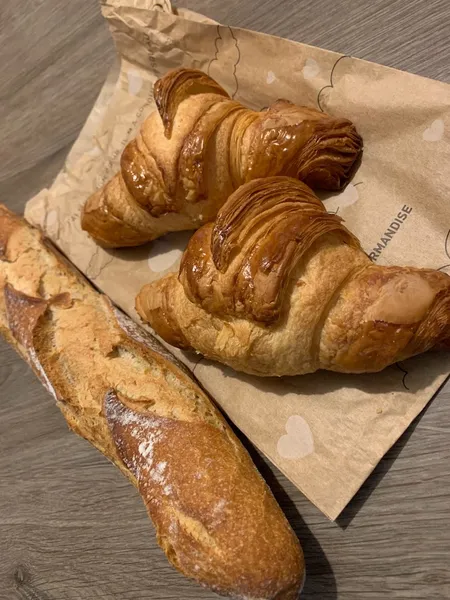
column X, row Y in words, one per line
column 71, row 527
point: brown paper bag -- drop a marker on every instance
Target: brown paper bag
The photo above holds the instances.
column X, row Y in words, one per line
column 325, row 431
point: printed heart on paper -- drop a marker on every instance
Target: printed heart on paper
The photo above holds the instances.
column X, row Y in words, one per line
column 94, row 152
column 298, row 442
column 166, row 251
column 434, row 132
column 52, row 219
column 134, row 82
column 311, row 68
column 51, row 223
column 270, row 77
column 348, row 197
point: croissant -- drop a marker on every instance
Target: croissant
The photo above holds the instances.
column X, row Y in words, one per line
column 199, row 147
column 277, row 286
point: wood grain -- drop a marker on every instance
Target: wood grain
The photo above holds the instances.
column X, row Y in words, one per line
column 71, row 528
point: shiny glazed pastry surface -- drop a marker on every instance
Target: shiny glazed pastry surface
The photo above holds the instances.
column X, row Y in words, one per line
column 200, row 146
column 277, row 286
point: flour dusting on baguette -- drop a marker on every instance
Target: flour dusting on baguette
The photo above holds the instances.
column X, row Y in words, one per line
column 122, row 391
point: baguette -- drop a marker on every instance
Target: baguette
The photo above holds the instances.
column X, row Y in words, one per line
column 277, row 286
column 121, row 390
column 199, row 146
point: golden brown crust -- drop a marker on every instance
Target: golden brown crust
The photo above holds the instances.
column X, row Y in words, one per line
column 144, row 180
column 113, row 214
column 125, row 393
column 191, row 163
column 23, row 313
column 406, row 312
column 104, row 226
column 303, row 143
column 170, row 91
column 276, row 286
column 10, row 223
column 203, row 511
column 433, row 332
column 189, row 158
column 259, row 235
column 167, row 326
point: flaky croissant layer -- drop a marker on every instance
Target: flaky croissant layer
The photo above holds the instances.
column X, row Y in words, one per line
column 200, row 146
column 277, row 286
